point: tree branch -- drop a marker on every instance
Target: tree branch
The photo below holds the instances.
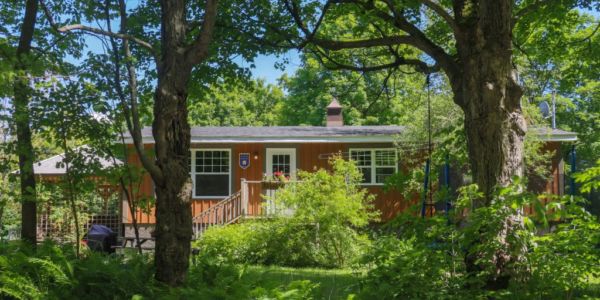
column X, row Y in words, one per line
column 443, row 59
column 131, row 115
column 48, row 15
column 438, row 9
column 85, row 28
column 136, row 132
column 415, row 37
column 198, row 51
column 399, row 61
column 368, row 43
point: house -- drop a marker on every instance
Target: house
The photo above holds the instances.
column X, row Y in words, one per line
column 228, row 165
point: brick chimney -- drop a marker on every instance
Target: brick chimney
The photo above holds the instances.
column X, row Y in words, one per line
column 334, row 114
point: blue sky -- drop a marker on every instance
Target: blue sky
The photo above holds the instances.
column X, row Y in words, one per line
column 265, row 66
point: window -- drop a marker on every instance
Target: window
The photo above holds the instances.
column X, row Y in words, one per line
column 211, row 173
column 281, row 164
column 376, row 165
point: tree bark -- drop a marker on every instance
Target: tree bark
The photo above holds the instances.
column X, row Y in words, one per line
column 172, row 145
column 486, row 88
column 171, row 133
column 22, row 123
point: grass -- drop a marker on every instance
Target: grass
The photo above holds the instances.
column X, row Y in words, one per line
column 333, row 284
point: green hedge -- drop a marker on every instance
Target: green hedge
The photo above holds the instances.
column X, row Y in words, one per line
column 282, row 242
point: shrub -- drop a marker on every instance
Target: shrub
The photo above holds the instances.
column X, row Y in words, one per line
column 565, row 260
column 281, row 241
column 328, row 209
column 408, row 269
column 429, row 258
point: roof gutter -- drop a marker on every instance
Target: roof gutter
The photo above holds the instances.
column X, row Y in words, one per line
column 556, row 137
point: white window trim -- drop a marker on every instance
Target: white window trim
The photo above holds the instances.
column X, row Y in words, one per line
column 289, row 151
column 193, row 172
column 373, row 166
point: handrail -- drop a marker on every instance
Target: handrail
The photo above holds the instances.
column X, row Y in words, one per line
column 230, row 209
column 224, row 212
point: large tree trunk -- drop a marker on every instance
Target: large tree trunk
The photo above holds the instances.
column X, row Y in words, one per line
column 489, row 94
column 22, row 122
column 173, row 208
column 171, row 132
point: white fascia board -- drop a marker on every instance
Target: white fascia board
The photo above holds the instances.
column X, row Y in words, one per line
column 571, row 137
column 281, row 140
column 557, row 137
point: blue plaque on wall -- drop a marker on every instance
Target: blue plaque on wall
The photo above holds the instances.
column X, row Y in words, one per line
column 244, row 160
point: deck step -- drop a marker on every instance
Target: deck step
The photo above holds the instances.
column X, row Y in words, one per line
column 226, row 211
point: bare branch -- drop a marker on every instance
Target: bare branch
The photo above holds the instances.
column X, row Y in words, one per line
column 48, row 15
column 129, row 109
column 438, row 9
column 85, row 28
column 198, row 51
column 136, row 131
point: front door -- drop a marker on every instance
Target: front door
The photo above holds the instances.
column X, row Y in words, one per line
column 280, row 162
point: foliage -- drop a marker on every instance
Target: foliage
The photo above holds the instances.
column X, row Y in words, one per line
column 332, row 284
column 329, row 198
column 409, row 269
column 296, row 290
column 434, row 258
column 237, row 103
column 368, row 99
column 590, row 178
column 318, row 228
column 564, row 261
column 556, row 48
column 53, row 272
column 280, row 242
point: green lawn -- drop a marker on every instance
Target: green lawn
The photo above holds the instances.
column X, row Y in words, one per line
column 333, row 284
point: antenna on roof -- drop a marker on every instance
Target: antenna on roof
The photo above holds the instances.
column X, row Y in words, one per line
column 548, row 112
column 544, row 109
column 554, row 109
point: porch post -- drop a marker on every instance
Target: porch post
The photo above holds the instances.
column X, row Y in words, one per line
column 244, row 191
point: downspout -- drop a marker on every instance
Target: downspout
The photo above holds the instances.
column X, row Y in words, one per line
column 573, row 170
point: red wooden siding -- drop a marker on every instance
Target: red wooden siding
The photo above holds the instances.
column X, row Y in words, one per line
column 308, row 157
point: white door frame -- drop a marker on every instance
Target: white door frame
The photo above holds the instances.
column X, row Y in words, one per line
column 290, row 151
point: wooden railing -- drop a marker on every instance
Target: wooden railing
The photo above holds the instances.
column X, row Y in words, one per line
column 224, row 212
column 254, row 199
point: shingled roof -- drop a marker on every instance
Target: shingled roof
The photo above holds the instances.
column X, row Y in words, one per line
column 288, row 131
column 274, row 134
column 55, row 166
column 321, row 134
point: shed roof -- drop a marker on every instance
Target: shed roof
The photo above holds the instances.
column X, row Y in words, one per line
column 54, row 165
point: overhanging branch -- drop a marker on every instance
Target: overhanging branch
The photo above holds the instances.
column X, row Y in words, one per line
column 419, row 65
column 198, row 51
column 440, row 11
column 367, row 43
column 80, row 27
